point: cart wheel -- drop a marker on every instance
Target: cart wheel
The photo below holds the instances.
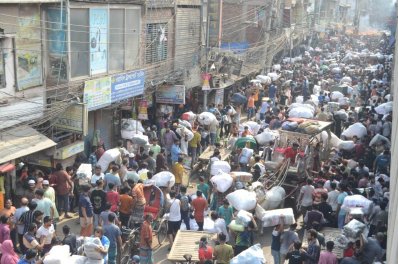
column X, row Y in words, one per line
column 162, row 232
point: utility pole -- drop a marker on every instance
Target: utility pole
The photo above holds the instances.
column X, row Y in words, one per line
column 269, row 56
column 206, row 24
column 267, row 26
column 356, row 18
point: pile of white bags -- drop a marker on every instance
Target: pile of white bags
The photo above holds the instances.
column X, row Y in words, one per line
column 243, row 217
column 252, row 255
column 222, row 182
column 354, row 229
column 242, row 200
column 356, row 129
column 164, row 179
column 220, row 165
column 90, row 248
column 267, row 136
column 108, row 156
column 353, row 201
column 273, row 217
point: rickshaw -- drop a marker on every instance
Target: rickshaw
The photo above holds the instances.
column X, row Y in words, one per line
column 155, row 205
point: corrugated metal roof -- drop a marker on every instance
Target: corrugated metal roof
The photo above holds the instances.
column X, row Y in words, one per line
column 28, row 1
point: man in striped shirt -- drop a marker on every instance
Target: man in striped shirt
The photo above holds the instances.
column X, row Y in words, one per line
column 26, row 219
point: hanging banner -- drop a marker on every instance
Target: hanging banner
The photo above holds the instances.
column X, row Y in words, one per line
column 219, row 97
column 206, row 84
column 174, row 94
column 143, row 110
column 98, row 40
column 127, row 85
column 28, row 48
column 97, row 93
column 74, row 119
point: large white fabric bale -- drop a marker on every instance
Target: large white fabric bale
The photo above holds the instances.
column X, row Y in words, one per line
column 336, row 95
column 242, row 200
column 206, row 118
column 132, row 125
column 273, row 75
column 185, row 123
column 356, row 129
column 346, row 145
column 222, row 182
column 264, row 79
column 273, row 198
column 243, row 217
column 90, row 248
column 267, row 136
column 108, row 156
column 164, row 179
column 334, row 141
column 183, row 131
column 378, row 138
column 300, row 105
column 301, row 112
column 129, row 134
column 353, row 201
column 276, row 67
column 343, row 101
column 273, row 217
column 385, row 108
column 220, row 165
column 252, row 255
column 254, row 127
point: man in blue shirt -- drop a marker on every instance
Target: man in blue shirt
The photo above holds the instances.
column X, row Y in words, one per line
column 175, row 151
column 30, row 258
column 272, row 92
column 113, row 233
column 382, row 162
column 99, row 233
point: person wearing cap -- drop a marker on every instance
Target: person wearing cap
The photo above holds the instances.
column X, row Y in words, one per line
column 30, row 191
column 199, row 206
column 49, row 191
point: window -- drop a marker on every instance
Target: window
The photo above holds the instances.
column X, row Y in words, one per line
column 156, row 42
column 2, row 68
column 116, row 40
column 79, row 39
column 133, row 18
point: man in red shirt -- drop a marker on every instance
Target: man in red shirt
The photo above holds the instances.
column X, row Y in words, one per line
column 199, row 206
column 146, row 240
column 63, row 186
column 291, row 153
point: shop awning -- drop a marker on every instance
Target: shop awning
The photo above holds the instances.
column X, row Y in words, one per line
column 7, row 167
column 21, row 141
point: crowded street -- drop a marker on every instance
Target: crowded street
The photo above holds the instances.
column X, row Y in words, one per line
column 287, row 164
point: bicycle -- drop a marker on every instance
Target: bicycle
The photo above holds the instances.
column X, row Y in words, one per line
column 130, row 247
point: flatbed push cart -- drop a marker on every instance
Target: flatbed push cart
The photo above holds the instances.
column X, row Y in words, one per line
column 187, row 243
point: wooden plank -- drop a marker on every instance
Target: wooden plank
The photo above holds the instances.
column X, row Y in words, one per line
column 205, row 156
column 187, row 242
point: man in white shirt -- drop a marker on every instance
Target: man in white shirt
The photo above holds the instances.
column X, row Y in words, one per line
column 174, row 222
column 219, row 225
column 305, row 197
column 45, row 234
column 97, row 175
column 332, row 196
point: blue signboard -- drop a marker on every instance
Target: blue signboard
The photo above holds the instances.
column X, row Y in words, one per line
column 127, row 85
column 98, row 40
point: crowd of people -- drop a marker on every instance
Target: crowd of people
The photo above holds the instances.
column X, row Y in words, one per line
column 115, row 198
